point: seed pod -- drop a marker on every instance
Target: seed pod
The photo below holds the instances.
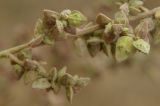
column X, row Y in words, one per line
column 102, row 19
column 41, row 83
column 76, row 18
column 94, row 45
column 142, row 46
column 69, row 93
column 124, row 48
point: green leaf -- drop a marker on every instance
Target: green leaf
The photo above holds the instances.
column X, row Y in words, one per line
column 39, row 28
column 47, row 40
column 94, row 45
column 69, row 93
column 76, row 18
column 41, row 83
column 142, row 46
column 61, row 72
column 30, row 76
column 124, row 48
column 82, row 82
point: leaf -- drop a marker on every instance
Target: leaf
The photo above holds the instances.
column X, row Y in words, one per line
column 108, row 35
column 60, row 27
column 56, row 87
column 80, row 46
column 94, row 45
column 136, row 3
column 65, row 13
column 62, row 72
column 142, row 46
column 76, row 18
column 121, row 18
column 102, row 19
column 82, row 82
column 39, row 28
column 69, row 93
column 30, row 76
column 41, row 83
column 157, row 14
column 18, row 70
column 67, row 80
column 47, row 40
column 124, row 48
column 134, row 11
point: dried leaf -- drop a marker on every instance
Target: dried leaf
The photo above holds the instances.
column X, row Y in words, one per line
column 142, row 46
column 41, row 83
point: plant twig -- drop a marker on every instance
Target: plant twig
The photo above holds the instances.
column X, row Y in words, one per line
column 15, row 59
column 144, row 15
column 16, row 49
column 79, row 33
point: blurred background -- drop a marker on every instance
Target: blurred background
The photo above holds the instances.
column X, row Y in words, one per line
column 135, row 82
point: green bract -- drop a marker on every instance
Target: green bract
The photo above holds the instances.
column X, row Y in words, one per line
column 124, row 48
column 142, row 46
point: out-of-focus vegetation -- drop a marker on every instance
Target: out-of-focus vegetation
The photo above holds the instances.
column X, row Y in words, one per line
column 133, row 83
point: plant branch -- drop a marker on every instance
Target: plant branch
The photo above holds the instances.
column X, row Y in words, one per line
column 144, row 15
column 16, row 49
column 90, row 29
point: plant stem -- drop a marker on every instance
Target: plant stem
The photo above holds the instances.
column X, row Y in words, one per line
column 16, row 49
